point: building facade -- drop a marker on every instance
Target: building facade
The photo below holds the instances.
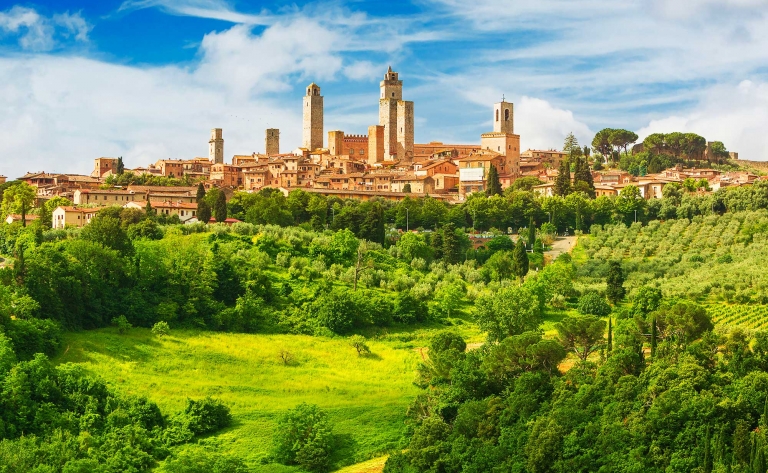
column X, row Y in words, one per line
column 313, row 118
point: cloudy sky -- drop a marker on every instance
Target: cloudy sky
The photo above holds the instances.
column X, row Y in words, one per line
column 148, row 79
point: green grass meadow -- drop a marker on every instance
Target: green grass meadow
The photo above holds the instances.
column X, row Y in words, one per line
column 365, row 397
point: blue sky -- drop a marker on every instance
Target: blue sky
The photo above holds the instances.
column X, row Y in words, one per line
column 148, row 79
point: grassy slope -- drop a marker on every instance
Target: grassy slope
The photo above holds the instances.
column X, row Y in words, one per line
column 365, row 398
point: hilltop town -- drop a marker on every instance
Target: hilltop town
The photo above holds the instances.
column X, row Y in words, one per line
column 385, row 163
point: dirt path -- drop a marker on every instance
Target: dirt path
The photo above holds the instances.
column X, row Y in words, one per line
column 562, row 245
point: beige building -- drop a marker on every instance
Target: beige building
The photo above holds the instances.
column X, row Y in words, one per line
column 186, row 212
column 216, row 146
column 503, row 140
column 103, row 197
column 313, row 118
column 3, row 179
column 419, row 184
column 396, row 116
column 73, row 216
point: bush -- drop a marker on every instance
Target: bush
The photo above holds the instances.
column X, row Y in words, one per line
column 358, row 343
column 592, row 303
column 122, row 324
column 304, row 438
column 161, row 329
column 205, row 416
column 203, row 462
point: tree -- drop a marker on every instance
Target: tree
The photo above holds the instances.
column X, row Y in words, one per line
column 571, row 146
column 407, row 188
column 120, row 166
column 527, row 352
column 122, row 324
column 520, row 257
column 602, row 142
column 563, row 180
column 358, row 342
column 161, row 329
column 622, row 138
column 493, row 186
column 615, row 282
column 220, row 208
column 655, row 143
column 682, row 323
column 582, row 334
column 303, row 437
column 203, row 212
column 584, row 175
column 200, row 192
column 718, row 151
column 107, row 231
column 510, row 311
column 18, row 199
column 500, row 265
column 592, row 303
column 531, row 233
column 451, row 244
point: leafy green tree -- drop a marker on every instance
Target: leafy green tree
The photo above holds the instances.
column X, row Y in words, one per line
column 592, row 303
column 582, row 335
column 220, row 209
column 122, row 324
column 571, row 146
column 520, row 257
column 451, row 249
column 19, row 198
column 615, row 283
column 527, row 352
column 161, row 329
column 500, row 265
column 525, row 183
column 304, row 438
column 359, row 343
column 107, row 231
column 407, row 188
column 493, row 186
column 510, row 311
column 682, row 323
column 622, row 138
column 531, row 234
column 582, row 177
column 602, row 142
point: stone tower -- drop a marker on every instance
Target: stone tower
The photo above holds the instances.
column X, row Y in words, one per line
column 396, row 116
column 375, row 144
column 273, row 141
column 502, row 139
column 313, row 118
column 336, row 142
column 216, row 146
column 504, row 119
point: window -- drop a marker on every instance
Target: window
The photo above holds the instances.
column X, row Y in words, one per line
column 506, row 115
column 393, row 94
column 497, row 115
column 362, row 152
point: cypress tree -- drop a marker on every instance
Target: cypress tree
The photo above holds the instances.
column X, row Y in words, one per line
column 220, row 208
column 654, row 334
column 563, row 179
column 610, row 334
column 493, row 186
column 203, row 212
column 707, row 453
column 148, row 210
column 120, row 166
column 531, row 233
column 520, row 259
column 615, row 282
column 451, row 245
column 200, row 192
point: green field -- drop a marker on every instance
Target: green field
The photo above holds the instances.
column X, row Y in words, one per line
column 365, row 397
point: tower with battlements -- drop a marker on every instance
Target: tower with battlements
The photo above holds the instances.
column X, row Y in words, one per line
column 396, row 116
column 313, row 118
column 216, row 146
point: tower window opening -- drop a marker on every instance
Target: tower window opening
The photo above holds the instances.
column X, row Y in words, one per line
column 506, row 115
column 497, row 115
column 393, row 94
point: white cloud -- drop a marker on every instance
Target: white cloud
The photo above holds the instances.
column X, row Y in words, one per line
column 735, row 115
column 543, row 126
column 38, row 33
column 359, row 70
column 212, row 9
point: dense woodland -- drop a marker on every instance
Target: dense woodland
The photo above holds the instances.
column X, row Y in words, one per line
column 609, row 360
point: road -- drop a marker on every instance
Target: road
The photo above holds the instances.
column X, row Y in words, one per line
column 562, row 245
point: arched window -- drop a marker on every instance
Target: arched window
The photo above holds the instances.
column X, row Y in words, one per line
column 506, row 115
column 497, row 115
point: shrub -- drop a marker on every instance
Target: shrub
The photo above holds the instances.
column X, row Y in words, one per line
column 358, row 343
column 593, row 303
column 205, row 416
column 304, row 438
column 161, row 329
column 122, row 324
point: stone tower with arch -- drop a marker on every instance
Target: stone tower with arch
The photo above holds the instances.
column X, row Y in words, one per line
column 313, row 118
column 503, row 139
column 216, row 146
column 396, row 116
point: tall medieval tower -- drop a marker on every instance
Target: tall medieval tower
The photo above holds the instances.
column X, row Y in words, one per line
column 313, row 118
column 216, row 146
column 396, row 116
column 503, row 139
column 272, row 141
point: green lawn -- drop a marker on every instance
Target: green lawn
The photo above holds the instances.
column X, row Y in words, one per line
column 365, row 397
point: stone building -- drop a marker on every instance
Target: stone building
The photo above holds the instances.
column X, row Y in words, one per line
column 396, row 116
column 103, row 166
column 313, row 118
column 503, row 139
column 216, row 146
column 375, row 144
column 272, row 145
column 3, row 179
